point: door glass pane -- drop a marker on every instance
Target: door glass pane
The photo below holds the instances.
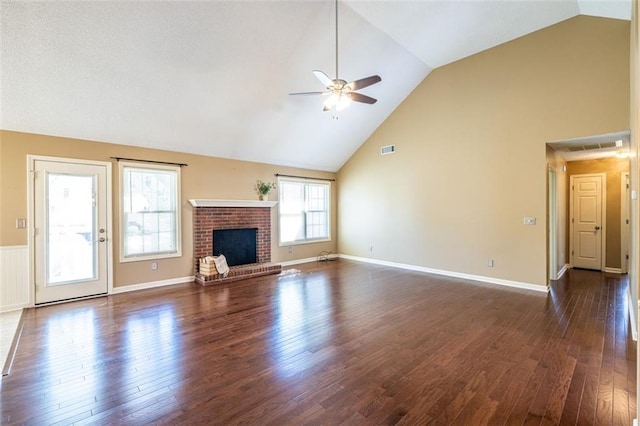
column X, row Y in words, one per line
column 71, row 242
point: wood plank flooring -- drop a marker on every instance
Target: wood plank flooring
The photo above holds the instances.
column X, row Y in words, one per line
column 331, row 343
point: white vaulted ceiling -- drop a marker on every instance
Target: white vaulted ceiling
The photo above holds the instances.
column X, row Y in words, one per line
column 213, row 77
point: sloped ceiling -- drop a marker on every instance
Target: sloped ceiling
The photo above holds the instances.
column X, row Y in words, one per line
column 213, row 77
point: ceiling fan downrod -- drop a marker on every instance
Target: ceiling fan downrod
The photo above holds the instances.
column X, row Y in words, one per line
column 337, row 40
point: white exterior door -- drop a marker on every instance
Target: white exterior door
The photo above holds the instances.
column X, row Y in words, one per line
column 587, row 221
column 70, row 211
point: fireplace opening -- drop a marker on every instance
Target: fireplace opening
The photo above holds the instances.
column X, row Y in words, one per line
column 237, row 245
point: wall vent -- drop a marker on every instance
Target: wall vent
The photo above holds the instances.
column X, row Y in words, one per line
column 389, row 149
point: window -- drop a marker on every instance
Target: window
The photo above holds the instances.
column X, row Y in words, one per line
column 149, row 211
column 304, row 211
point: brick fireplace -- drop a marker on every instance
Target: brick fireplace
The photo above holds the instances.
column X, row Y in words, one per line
column 232, row 214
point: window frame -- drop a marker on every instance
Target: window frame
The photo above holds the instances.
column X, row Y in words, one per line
column 329, row 186
column 122, row 165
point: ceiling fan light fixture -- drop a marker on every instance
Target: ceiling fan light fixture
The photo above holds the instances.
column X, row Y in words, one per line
column 337, row 101
column 331, row 101
column 343, row 102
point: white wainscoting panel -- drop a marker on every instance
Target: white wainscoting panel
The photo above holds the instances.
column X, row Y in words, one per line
column 14, row 278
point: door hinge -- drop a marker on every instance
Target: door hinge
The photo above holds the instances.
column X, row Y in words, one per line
column 626, row 256
column 571, row 220
column 627, row 221
column 571, row 252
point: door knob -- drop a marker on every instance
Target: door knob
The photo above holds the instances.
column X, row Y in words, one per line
column 597, row 228
column 102, row 239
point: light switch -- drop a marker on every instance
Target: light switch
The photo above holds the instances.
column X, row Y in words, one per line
column 634, row 194
column 529, row 220
column 21, row 223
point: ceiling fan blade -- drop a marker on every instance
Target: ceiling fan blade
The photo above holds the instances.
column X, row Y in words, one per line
column 308, row 93
column 359, row 97
column 364, row 82
column 324, row 79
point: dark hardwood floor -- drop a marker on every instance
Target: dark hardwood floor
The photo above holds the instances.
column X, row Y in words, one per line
column 330, row 343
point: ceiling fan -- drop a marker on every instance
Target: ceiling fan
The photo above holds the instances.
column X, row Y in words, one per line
column 341, row 93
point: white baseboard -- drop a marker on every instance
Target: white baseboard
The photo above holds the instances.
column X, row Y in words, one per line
column 491, row 280
column 634, row 306
column 562, row 271
column 613, row 270
column 12, row 308
column 298, row 261
column 152, row 284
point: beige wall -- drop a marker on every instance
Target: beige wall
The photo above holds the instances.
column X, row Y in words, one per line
column 470, row 160
column 205, row 177
column 613, row 167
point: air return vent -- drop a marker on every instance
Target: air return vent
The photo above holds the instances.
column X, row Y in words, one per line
column 591, row 146
column 389, row 149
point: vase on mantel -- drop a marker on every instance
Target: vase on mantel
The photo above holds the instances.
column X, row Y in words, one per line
column 264, row 197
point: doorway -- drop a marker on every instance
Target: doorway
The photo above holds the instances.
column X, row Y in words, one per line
column 553, row 224
column 603, row 153
column 625, row 222
column 71, row 222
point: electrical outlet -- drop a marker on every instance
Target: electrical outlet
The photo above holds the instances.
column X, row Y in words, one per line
column 290, row 249
column 490, row 263
column 529, row 220
column 154, row 266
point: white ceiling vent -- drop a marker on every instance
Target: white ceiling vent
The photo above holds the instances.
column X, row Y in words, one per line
column 389, row 149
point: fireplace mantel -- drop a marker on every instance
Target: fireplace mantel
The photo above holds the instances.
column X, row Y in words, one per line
column 231, row 203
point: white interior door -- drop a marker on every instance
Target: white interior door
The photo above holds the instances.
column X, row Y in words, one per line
column 586, row 221
column 70, row 230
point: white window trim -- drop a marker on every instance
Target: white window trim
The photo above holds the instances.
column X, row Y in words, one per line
column 178, row 170
column 311, row 241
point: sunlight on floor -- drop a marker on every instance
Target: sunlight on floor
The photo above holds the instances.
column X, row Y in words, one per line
column 8, row 325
